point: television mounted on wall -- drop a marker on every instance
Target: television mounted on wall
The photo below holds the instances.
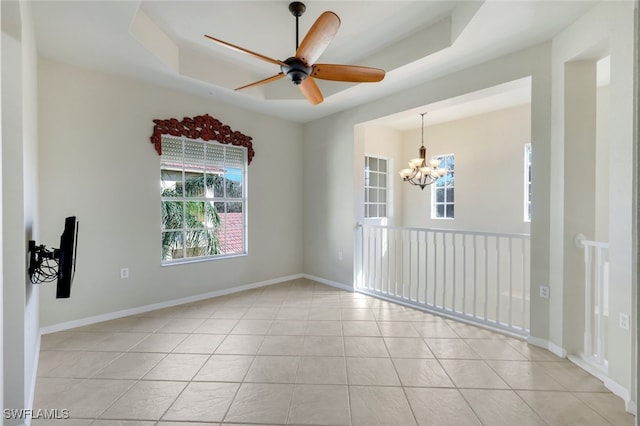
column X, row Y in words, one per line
column 57, row 264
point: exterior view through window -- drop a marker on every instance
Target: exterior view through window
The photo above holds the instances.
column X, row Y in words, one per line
column 203, row 193
column 442, row 206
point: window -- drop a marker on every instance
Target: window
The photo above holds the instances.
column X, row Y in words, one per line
column 377, row 201
column 527, row 182
column 442, row 206
column 203, row 193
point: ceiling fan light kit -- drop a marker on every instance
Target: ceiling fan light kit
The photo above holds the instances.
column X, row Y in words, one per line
column 301, row 69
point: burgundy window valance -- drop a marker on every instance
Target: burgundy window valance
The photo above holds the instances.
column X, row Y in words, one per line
column 202, row 127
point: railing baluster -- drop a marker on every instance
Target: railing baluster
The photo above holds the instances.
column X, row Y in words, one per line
column 426, row 265
column 366, row 259
column 444, row 269
column 464, row 275
column 418, row 262
column 410, row 267
column 600, row 287
column 486, row 277
column 510, row 311
column 425, row 282
column 388, row 251
column 402, row 280
column 475, row 277
column 417, row 256
column 588, row 310
column 435, row 267
column 526, row 286
column 428, row 235
column 498, row 280
column 524, row 274
column 455, row 255
column 395, row 260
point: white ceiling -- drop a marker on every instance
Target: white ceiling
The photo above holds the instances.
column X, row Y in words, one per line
column 162, row 42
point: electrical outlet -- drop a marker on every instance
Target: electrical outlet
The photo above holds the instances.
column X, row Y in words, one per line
column 340, row 255
column 124, row 273
column 544, row 291
column 624, row 321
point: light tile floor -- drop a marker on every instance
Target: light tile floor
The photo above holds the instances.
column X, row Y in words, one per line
column 306, row 354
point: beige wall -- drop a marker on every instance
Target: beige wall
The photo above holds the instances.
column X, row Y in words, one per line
column 96, row 162
column 489, row 172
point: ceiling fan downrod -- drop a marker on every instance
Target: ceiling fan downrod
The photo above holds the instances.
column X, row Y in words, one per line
column 297, row 9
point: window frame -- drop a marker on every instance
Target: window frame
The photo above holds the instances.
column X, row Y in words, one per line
column 243, row 200
column 435, row 187
column 388, row 188
column 527, row 182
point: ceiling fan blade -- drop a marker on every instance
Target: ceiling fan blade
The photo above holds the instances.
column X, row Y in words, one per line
column 311, row 91
column 264, row 81
column 247, row 51
column 318, row 38
column 349, row 73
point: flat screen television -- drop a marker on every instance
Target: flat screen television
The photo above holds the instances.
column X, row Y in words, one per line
column 58, row 264
column 67, row 257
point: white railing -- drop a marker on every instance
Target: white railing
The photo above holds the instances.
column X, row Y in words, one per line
column 596, row 301
column 477, row 276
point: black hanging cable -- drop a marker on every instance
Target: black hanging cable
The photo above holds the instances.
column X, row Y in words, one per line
column 46, row 268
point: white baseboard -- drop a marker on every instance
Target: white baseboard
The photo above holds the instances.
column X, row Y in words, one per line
column 545, row 344
column 616, row 388
column 623, row 393
column 167, row 304
column 34, row 377
column 329, row 282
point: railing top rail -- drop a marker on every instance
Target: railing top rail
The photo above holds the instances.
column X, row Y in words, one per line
column 599, row 244
column 444, row 231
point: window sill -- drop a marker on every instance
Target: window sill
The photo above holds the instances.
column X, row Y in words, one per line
column 202, row 259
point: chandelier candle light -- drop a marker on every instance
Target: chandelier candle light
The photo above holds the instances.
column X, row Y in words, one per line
column 419, row 173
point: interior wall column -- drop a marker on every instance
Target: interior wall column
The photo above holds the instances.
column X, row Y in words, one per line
column 579, row 191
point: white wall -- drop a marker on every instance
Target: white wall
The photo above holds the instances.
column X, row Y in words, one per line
column 603, row 130
column 19, row 215
column 606, row 29
column 31, row 189
column 489, row 172
column 1, row 237
column 96, row 162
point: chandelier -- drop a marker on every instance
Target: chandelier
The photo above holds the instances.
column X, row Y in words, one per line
column 420, row 172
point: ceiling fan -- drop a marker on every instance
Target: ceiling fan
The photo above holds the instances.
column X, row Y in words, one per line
column 302, row 68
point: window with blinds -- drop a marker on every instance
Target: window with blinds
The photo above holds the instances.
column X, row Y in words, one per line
column 203, row 200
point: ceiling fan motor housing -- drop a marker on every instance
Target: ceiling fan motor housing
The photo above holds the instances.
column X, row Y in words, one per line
column 297, row 8
column 296, row 70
